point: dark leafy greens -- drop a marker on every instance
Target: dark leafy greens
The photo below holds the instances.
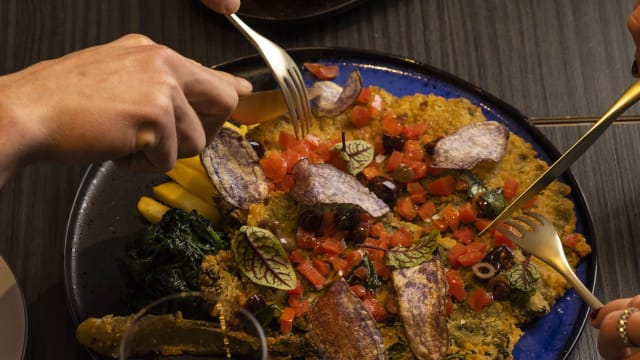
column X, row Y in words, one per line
column 164, row 258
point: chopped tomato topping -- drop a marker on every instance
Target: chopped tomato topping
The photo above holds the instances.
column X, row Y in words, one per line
column 570, row 240
column 479, row 298
column 405, row 208
column 375, row 308
column 274, row 165
column 322, row 71
column 442, row 186
column 464, row 235
column 395, row 160
column 299, row 289
column 427, row 210
column 501, row 239
column 365, row 97
column 481, row 223
column 456, row 285
column 286, row 320
column 467, row 213
column 311, row 274
column 451, row 216
column 390, row 124
column 413, row 150
column 358, row 290
column 510, row 188
column 413, row 132
column 360, row 116
column 322, row 266
column 531, row 202
column 376, row 229
column 297, row 256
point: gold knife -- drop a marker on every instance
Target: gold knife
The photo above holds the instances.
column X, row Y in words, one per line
column 628, row 98
column 261, row 106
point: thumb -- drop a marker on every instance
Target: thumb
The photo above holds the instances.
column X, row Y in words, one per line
column 222, row 6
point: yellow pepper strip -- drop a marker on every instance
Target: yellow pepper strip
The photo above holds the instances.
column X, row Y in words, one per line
column 176, row 196
column 194, row 163
column 193, row 180
column 151, row 209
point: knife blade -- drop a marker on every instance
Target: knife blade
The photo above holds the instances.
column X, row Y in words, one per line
column 628, row 98
column 261, row 106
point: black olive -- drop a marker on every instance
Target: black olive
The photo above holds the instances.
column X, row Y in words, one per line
column 310, row 219
column 254, row 303
column 391, row 143
column 483, row 270
column 360, row 233
column 500, row 257
column 257, row 147
column 384, row 188
column 346, row 217
column 499, row 286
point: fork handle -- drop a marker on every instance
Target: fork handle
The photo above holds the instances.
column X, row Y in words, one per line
column 582, row 290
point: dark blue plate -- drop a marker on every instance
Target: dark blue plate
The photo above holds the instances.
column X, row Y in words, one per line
column 293, row 11
column 104, row 213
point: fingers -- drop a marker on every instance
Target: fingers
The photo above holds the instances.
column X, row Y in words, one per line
column 633, row 24
column 610, row 344
column 222, row 6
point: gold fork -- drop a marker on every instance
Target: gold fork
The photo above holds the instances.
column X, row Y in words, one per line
column 286, row 73
column 541, row 240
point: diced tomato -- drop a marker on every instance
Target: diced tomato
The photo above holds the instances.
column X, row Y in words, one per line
column 292, row 157
column 434, row 171
column 413, row 150
column 467, row 213
column 391, row 304
column 377, row 261
column 501, row 239
column 455, row 284
column 370, row 172
column 301, row 306
column 451, row 216
column 427, row 210
column 570, row 240
column 353, row 258
column 360, row 116
column 286, row 140
column 328, row 226
column 274, row 165
column 510, row 188
column 394, row 161
column 450, row 306
column 311, row 274
column 297, row 256
column 376, row 229
column 442, row 186
column 390, row 124
column 413, row 132
column 416, row 193
column 358, row 290
column 479, row 298
column 322, row 266
column 401, row 237
column 454, row 254
column 439, row 224
column 299, row 289
column 375, row 308
column 360, row 272
column 286, row 320
column 339, row 263
column 365, row 97
column 464, row 235
column 471, row 257
column 322, row 71
column 481, row 223
column 419, row 170
column 405, row 208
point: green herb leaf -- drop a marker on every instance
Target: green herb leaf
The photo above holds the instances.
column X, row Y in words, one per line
column 416, row 254
column 261, row 257
column 357, row 153
column 523, row 277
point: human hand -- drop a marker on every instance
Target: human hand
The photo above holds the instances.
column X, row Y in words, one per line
column 633, row 24
column 222, row 6
column 131, row 100
column 607, row 319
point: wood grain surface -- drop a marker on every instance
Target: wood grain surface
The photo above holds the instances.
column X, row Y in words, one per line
column 548, row 58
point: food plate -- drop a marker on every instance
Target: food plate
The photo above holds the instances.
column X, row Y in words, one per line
column 104, row 212
column 290, row 11
column 13, row 312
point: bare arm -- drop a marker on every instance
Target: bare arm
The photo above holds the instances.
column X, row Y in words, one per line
column 130, row 100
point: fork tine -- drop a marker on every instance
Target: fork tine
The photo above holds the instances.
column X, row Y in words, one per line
column 291, row 104
column 532, row 224
column 543, row 220
column 516, row 226
column 304, row 113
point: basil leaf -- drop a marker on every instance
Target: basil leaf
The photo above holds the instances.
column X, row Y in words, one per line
column 414, row 255
column 357, row 153
column 523, row 277
column 261, row 257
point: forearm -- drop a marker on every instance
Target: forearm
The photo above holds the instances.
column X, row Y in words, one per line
column 16, row 139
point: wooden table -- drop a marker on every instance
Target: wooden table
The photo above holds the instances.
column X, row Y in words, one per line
column 548, row 58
